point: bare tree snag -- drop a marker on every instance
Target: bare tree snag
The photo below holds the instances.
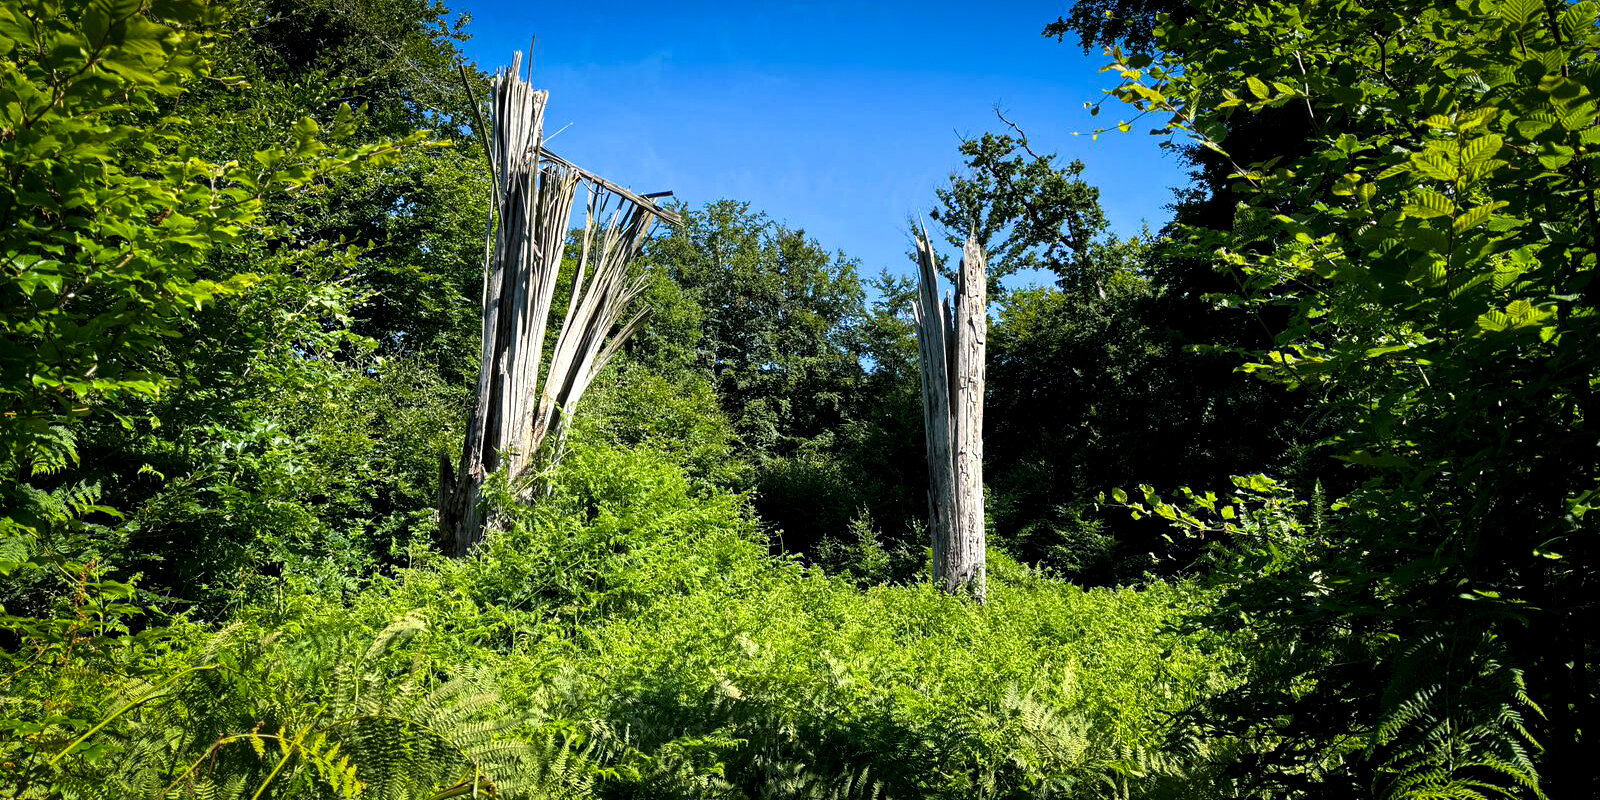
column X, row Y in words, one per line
column 516, row 425
column 951, row 347
column 933, row 355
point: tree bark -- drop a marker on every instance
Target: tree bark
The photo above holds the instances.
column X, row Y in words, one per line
column 967, row 564
column 934, row 354
column 951, row 343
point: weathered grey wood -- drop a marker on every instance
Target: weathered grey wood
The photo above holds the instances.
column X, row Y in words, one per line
column 933, row 356
column 534, row 192
column 645, row 201
column 583, row 347
column 951, row 342
column 966, row 565
column 518, row 113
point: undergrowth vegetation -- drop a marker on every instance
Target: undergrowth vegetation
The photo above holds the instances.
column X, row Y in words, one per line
column 631, row 636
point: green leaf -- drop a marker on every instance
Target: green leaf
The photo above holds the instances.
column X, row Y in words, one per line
column 1480, row 150
column 1476, row 216
column 96, row 24
column 1578, row 19
column 1427, row 203
column 1374, row 352
column 1531, row 127
column 1398, row 169
column 177, row 10
column 1555, row 156
column 1433, row 165
column 1518, row 12
column 1257, row 87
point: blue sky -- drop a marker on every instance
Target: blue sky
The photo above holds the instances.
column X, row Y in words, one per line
column 837, row 118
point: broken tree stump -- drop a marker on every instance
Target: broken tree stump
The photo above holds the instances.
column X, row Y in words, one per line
column 951, row 342
column 519, row 422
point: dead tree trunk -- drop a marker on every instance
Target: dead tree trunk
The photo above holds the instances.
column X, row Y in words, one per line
column 513, row 419
column 933, row 356
column 951, row 345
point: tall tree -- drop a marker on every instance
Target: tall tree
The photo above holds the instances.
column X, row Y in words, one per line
column 1022, row 209
column 821, row 389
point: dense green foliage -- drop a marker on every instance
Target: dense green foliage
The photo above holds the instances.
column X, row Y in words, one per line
column 1353, row 382
column 637, row 638
column 1435, row 250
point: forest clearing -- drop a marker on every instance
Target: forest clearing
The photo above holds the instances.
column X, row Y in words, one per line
column 356, row 444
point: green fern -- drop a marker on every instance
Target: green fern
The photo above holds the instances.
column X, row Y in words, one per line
column 50, row 451
column 1454, row 729
column 385, row 729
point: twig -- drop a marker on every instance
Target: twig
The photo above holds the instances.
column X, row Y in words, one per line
column 1022, row 135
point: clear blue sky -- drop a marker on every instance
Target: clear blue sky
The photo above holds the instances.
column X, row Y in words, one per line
column 839, row 118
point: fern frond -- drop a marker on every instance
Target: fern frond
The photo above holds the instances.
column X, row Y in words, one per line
column 1465, row 743
column 51, row 451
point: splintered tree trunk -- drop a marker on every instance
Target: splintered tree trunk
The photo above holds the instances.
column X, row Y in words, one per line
column 951, row 345
column 516, row 425
column 966, row 563
column 934, row 353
